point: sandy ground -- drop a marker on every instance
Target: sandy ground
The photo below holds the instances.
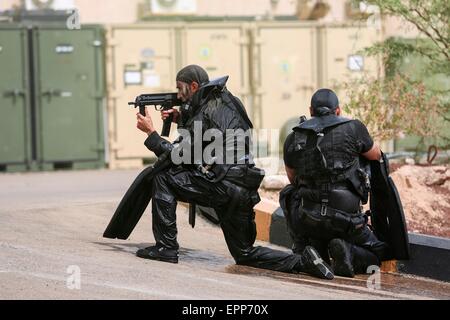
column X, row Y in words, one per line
column 425, row 194
column 51, row 227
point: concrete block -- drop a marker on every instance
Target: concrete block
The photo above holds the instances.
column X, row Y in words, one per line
column 263, row 218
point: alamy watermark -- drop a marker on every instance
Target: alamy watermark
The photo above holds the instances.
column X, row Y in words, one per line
column 214, row 146
column 374, row 281
column 73, row 281
column 73, row 21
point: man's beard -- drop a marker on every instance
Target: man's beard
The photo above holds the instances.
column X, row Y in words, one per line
column 186, row 93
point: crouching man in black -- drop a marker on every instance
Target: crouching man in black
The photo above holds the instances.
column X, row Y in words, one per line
column 324, row 159
column 229, row 188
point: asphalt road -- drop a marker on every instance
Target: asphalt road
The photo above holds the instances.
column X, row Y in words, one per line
column 51, row 247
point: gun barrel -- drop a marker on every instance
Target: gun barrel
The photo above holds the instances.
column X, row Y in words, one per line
column 159, row 99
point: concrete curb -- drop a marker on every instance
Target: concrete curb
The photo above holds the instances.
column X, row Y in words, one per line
column 430, row 256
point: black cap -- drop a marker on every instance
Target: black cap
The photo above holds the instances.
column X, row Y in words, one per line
column 324, row 101
column 193, row 73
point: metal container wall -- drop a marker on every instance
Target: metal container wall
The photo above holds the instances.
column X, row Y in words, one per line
column 69, row 91
column 141, row 59
column 221, row 49
column 341, row 58
column 15, row 119
column 284, row 72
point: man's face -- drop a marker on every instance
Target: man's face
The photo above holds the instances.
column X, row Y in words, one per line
column 186, row 91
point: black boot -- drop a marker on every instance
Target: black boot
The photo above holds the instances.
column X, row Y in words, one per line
column 342, row 258
column 363, row 259
column 159, row 253
column 349, row 259
column 311, row 262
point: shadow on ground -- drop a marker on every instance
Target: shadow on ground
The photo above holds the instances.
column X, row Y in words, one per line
column 192, row 256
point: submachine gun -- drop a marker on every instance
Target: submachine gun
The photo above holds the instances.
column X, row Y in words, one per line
column 161, row 101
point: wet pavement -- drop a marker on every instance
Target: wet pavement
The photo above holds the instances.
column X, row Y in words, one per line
column 52, row 223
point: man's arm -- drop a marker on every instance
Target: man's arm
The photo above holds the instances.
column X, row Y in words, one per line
column 366, row 146
column 290, row 174
column 373, row 154
column 157, row 144
column 287, row 158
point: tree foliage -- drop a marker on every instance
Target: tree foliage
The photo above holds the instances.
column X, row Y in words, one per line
column 403, row 103
column 392, row 109
column 431, row 18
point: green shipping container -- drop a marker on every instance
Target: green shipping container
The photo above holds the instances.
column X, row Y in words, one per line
column 15, row 124
column 69, row 97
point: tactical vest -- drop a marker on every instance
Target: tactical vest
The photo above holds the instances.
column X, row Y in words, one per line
column 323, row 154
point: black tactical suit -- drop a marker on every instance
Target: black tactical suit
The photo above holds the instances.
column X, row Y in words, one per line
column 325, row 202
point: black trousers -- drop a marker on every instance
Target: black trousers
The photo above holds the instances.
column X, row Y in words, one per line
column 318, row 235
column 237, row 222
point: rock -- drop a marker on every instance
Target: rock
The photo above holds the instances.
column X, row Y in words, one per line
column 440, row 169
column 275, row 182
column 410, row 161
column 271, row 165
column 408, row 183
column 447, row 184
column 435, row 179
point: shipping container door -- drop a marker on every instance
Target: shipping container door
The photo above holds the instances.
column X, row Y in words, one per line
column 284, row 74
column 221, row 49
column 342, row 58
column 68, row 89
column 15, row 116
column 141, row 60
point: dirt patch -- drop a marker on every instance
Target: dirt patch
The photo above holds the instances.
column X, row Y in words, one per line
column 425, row 195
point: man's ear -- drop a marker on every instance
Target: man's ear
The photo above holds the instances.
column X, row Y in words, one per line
column 338, row 111
column 194, row 86
column 311, row 111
